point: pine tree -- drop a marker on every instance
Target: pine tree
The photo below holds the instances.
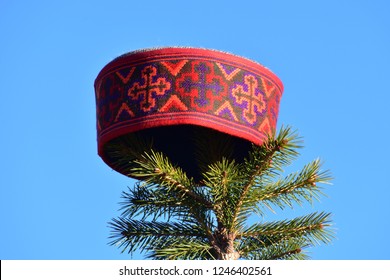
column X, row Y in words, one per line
column 171, row 216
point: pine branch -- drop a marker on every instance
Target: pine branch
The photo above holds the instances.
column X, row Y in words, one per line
column 281, row 149
column 224, row 182
column 312, row 227
column 287, row 143
column 208, row 219
column 182, row 249
column 159, row 175
column 150, row 203
column 293, row 188
column 179, row 209
column 273, row 154
column 290, row 249
column 156, row 169
column 133, row 234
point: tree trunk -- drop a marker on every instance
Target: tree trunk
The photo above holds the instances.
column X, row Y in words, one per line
column 223, row 244
column 229, row 256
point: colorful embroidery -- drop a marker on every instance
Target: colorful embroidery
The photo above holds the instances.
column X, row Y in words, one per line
column 254, row 104
column 228, row 71
column 202, row 86
column 174, row 67
column 186, row 86
column 146, row 94
column 125, row 79
column 226, row 111
column 174, row 104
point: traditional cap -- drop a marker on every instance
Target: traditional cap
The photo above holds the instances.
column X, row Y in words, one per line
column 169, row 90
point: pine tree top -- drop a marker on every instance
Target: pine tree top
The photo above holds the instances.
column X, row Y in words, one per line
column 172, row 216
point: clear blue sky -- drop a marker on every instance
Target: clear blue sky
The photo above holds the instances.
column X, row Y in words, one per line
column 57, row 195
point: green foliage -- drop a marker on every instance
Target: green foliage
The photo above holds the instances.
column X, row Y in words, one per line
column 208, row 220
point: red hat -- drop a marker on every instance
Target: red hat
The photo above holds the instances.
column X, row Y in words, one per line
column 166, row 92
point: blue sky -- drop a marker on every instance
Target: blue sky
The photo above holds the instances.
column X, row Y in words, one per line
column 57, row 195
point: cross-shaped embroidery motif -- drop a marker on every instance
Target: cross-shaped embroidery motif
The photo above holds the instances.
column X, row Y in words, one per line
column 253, row 103
column 149, row 90
column 203, row 86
